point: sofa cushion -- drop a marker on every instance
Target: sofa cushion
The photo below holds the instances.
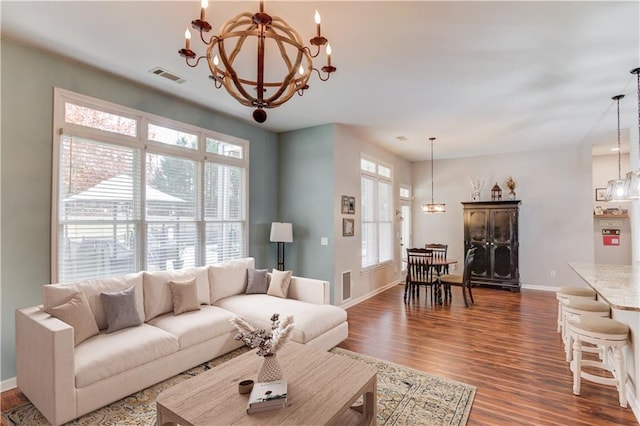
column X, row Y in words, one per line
column 184, row 295
column 120, row 309
column 229, row 278
column 310, row 320
column 257, row 282
column 57, row 294
column 77, row 313
column 279, row 285
column 158, row 299
column 195, row 327
column 106, row 355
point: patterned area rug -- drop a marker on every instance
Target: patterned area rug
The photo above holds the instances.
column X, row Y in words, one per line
column 405, row 397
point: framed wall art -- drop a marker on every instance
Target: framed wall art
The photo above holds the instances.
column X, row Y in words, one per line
column 348, row 226
column 348, row 204
column 600, row 194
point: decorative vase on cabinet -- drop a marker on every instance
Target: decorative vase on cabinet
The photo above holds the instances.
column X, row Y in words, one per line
column 492, row 227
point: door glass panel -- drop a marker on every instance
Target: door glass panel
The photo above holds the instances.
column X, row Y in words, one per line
column 502, row 259
column 501, row 227
column 477, row 226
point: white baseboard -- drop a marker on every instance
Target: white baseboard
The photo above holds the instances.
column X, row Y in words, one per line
column 538, row 287
column 8, row 384
column 361, row 299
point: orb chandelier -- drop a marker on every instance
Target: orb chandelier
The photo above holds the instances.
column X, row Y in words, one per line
column 432, row 207
column 256, row 35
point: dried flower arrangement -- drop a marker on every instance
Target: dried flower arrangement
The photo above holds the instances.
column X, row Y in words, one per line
column 511, row 184
column 267, row 344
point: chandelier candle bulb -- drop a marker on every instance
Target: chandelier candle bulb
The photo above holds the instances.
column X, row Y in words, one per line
column 317, row 19
column 329, row 51
column 187, row 39
column 203, row 8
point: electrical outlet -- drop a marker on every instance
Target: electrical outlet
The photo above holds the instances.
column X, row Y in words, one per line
column 452, row 266
column 552, row 274
column 324, row 241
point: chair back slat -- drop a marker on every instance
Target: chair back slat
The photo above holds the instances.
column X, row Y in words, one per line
column 439, row 252
column 468, row 265
column 418, row 269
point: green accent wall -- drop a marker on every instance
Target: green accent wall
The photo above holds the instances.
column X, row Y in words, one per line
column 28, row 79
column 306, row 199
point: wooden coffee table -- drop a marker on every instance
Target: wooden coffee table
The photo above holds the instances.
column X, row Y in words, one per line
column 321, row 389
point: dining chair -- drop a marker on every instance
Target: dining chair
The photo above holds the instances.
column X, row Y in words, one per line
column 419, row 272
column 463, row 280
column 440, row 253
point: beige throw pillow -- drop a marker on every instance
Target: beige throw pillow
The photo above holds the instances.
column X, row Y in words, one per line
column 184, row 295
column 77, row 313
column 279, row 285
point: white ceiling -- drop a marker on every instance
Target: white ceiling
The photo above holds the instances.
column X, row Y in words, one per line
column 482, row 77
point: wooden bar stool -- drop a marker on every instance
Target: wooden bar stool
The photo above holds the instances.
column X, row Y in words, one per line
column 575, row 308
column 575, row 292
column 608, row 333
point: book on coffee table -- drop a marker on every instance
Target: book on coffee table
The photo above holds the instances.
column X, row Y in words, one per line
column 267, row 396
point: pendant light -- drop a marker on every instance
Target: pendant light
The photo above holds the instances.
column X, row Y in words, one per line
column 615, row 187
column 632, row 182
column 433, row 207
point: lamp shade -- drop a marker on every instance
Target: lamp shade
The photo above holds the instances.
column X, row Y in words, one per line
column 281, row 232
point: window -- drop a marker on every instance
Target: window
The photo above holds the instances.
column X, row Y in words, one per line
column 136, row 191
column 376, row 211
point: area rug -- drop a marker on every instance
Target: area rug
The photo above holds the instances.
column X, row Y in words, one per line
column 405, row 397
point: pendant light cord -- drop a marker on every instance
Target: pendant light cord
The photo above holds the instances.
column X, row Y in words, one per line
column 432, row 139
column 617, row 99
column 619, row 168
column 636, row 71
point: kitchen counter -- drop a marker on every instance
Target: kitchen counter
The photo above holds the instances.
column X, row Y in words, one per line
column 618, row 285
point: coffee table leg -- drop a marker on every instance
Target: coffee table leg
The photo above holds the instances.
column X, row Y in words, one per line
column 162, row 418
column 370, row 400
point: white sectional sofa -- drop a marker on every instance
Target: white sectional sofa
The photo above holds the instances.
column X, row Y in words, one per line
column 64, row 380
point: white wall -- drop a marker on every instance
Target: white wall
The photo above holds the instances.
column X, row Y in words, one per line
column 556, row 214
column 348, row 148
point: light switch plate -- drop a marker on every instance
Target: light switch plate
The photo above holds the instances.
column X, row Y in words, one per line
column 324, row 241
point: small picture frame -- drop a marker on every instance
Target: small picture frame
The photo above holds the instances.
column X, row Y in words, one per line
column 601, row 194
column 348, row 226
column 598, row 210
column 348, row 204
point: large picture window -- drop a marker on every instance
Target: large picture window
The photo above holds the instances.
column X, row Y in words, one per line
column 135, row 192
column 376, row 211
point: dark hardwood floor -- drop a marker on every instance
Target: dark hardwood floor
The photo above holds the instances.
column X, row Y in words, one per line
column 506, row 345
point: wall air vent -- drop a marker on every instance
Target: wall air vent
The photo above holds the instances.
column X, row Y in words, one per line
column 346, row 285
column 168, row 75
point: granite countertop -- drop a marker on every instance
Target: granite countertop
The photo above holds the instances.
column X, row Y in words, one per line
column 618, row 285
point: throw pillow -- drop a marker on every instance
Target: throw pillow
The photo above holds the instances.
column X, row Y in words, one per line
column 120, row 309
column 257, row 281
column 279, row 285
column 184, row 295
column 77, row 313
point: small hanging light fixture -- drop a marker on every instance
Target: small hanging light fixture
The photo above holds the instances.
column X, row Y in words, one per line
column 632, row 182
column 615, row 187
column 433, row 207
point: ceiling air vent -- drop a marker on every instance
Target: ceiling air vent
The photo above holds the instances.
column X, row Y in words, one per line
column 168, row 75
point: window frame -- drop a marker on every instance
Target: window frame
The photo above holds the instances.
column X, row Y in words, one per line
column 142, row 143
column 377, row 178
